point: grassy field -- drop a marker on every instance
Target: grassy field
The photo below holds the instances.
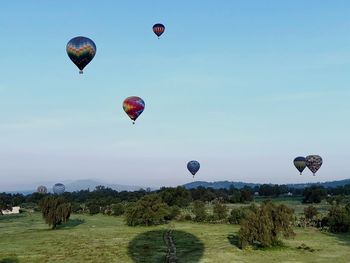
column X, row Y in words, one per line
column 25, row 238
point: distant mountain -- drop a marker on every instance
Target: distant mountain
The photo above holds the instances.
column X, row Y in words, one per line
column 91, row 184
column 227, row 184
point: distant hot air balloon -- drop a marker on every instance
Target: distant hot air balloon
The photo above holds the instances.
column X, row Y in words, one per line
column 58, row 188
column 158, row 29
column 41, row 189
column 193, row 167
column 300, row 163
column 313, row 162
column 81, row 50
column 133, row 106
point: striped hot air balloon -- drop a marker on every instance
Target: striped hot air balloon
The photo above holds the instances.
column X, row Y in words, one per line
column 58, row 188
column 158, row 29
column 133, row 107
column 81, row 50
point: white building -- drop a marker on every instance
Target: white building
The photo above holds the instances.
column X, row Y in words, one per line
column 15, row 210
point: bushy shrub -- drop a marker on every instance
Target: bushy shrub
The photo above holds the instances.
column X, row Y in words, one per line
column 174, row 212
column 117, row 209
column 237, row 215
column 149, row 210
column 93, row 208
column 338, row 219
column 263, row 226
column 310, row 212
column 220, row 212
column 199, row 211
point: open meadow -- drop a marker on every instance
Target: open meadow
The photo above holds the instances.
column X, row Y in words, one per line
column 100, row 238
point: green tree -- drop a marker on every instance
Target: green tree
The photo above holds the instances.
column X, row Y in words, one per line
column 220, row 211
column 55, row 210
column 338, row 219
column 237, row 215
column 118, row 209
column 149, row 210
column 246, row 195
column 174, row 212
column 93, row 207
column 5, row 202
column 310, row 212
column 199, row 211
column 265, row 225
column 178, row 196
column 314, row 194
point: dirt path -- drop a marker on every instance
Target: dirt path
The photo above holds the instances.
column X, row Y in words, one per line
column 171, row 254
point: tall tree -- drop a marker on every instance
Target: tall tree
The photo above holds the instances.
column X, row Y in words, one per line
column 266, row 224
column 199, row 211
column 55, row 210
column 5, row 202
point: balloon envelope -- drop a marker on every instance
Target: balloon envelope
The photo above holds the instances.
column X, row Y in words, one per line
column 300, row 163
column 59, row 188
column 41, row 189
column 81, row 50
column 133, row 106
column 158, row 29
column 193, row 166
column 314, row 162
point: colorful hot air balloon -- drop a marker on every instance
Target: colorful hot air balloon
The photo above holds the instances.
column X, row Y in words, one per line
column 313, row 162
column 158, row 29
column 193, row 167
column 81, row 50
column 58, row 188
column 133, row 106
column 41, row 189
column 300, row 163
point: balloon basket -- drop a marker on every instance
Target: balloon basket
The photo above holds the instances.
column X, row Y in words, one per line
column 81, row 72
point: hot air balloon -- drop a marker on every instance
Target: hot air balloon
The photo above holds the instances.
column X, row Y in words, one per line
column 158, row 29
column 41, row 189
column 58, row 188
column 313, row 162
column 193, row 167
column 81, row 50
column 300, row 163
column 133, row 106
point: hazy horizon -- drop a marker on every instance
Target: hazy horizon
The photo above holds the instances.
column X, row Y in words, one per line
column 241, row 87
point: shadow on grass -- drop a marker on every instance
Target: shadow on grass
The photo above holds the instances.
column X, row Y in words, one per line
column 71, row 223
column 9, row 260
column 344, row 238
column 151, row 247
column 5, row 218
column 234, row 240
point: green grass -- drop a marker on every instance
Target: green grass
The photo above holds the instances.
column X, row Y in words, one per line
column 25, row 238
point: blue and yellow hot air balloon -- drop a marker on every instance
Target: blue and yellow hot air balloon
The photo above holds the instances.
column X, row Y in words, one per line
column 300, row 163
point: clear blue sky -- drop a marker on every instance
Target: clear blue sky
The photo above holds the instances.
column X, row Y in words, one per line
column 241, row 86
